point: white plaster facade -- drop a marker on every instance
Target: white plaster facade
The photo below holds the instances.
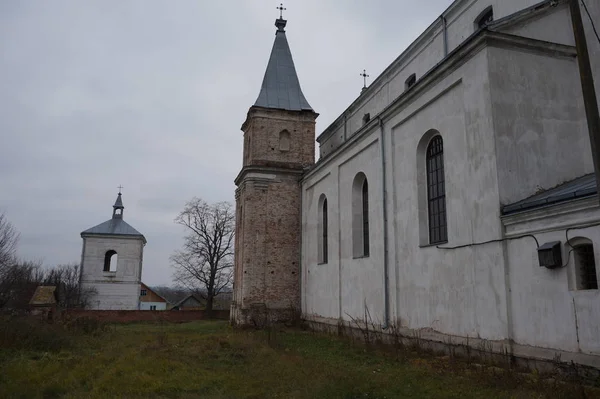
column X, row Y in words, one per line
column 507, row 102
column 118, row 289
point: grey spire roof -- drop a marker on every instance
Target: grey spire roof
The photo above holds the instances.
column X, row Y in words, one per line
column 115, row 226
column 281, row 88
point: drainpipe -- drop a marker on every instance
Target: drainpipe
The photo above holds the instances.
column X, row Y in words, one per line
column 386, row 278
column 445, row 34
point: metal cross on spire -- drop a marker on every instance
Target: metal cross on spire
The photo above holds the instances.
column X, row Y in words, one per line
column 281, row 9
column 365, row 76
column 120, row 188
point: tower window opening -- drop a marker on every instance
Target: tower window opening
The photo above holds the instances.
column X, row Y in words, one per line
column 110, row 261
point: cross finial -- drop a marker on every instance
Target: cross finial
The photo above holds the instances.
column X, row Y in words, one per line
column 281, row 9
column 120, row 188
column 365, row 76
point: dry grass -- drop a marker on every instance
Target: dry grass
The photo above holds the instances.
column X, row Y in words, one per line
column 210, row 360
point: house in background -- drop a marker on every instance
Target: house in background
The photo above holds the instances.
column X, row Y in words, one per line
column 44, row 301
column 150, row 300
column 190, row 302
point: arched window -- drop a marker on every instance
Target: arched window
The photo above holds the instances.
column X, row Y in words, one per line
column 110, row 261
column 412, row 79
column 360, row 216
column 485, row 18
column 284, row 141
column 585, row 266
column 436, row 191
column 323, row 230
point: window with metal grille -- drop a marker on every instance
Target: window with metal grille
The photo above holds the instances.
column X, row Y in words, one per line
column 365, row 217
column 436, row 192
column 585, row 265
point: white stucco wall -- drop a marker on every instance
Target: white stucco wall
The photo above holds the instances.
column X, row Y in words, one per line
column 512, row 122
column 114, row 290
column 546, row 308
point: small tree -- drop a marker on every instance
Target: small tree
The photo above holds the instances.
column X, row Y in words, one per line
column 205, row 263
column 8, row 242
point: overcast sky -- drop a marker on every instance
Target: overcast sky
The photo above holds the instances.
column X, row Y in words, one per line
column 151, row 94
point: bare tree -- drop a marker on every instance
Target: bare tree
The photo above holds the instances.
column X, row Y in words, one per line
column 205, row 263
column 8, row 242
column 66, row 280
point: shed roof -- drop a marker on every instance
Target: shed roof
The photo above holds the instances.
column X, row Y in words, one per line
column 44, row 295
column 584, row 186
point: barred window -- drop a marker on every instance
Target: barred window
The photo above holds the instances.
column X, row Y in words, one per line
column 436, row 192
column 323, row 230
column 585, row 265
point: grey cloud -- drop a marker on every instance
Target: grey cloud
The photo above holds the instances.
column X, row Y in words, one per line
column 151, row 94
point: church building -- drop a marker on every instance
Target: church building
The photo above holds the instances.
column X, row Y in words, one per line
column 111, row 263
column 454, row 199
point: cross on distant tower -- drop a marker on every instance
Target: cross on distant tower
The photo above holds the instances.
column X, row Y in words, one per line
column 365, row 76
column 120, row 188
column 281, row 8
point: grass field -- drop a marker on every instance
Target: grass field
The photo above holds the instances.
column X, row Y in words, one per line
column 210, row 360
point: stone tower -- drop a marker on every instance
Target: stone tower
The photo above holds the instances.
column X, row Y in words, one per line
column 111, row 263
column 279, row 144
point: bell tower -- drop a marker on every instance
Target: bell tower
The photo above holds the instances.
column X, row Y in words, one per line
column 279, row 144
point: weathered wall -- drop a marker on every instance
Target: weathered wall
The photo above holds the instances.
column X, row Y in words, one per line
column 268, row 206
column 539, row 119
column 546, row 308
column 114, row 290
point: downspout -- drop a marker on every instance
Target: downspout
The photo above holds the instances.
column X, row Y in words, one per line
column 445, row 34
column 386, row 278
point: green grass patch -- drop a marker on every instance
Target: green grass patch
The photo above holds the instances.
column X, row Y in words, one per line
column 209, row 359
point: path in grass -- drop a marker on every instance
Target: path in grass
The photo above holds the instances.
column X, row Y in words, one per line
column 210, row 360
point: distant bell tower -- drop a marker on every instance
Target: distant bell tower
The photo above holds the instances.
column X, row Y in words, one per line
column 111, row 263
column 279, row 144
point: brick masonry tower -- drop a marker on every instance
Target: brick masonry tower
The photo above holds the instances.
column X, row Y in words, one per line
column 279, row 144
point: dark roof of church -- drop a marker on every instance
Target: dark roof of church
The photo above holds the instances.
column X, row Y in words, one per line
column 115, row 226
column 281, row 87
column 584, row 186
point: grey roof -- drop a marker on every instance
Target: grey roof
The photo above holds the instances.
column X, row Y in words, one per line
column 281, row 87
column 118, row 202
column 114, row 227
column 584, row 186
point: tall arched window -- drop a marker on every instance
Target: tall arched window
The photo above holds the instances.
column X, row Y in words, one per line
column 360, row 216
column 436, row 192
column 585, row 266
column 323, row 230
column 110, row 261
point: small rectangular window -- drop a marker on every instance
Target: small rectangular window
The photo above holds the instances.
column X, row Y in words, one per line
column 143, row 293
column 153, row 307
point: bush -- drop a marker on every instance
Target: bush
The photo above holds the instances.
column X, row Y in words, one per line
column 32, row 334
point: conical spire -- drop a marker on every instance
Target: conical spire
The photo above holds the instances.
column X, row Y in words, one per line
column 281, row 87
column 118, row 208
